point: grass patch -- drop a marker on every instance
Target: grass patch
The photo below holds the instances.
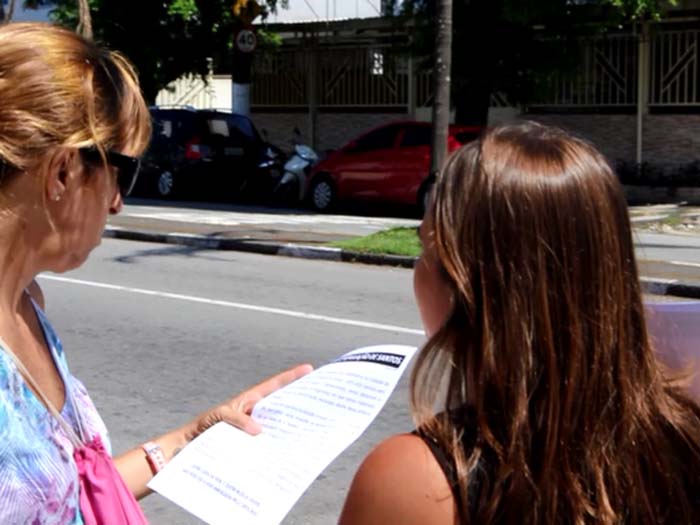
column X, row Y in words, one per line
column 672, row 220
column 396, row 241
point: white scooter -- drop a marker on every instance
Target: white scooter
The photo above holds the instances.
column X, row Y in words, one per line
column 296, row 173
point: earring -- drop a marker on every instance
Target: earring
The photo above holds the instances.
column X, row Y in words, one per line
column 56, row 197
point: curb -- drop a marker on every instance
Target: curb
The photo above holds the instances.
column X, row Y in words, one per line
column 213, row 242
column 676, row 288
column 656, row 286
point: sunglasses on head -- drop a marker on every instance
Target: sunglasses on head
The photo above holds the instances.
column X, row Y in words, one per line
column 127, row 167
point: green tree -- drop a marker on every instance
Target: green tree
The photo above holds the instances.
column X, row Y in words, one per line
column 165, row 39
column 514, row 47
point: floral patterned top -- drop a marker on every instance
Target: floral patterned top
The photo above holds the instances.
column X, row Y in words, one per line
column 38, row 476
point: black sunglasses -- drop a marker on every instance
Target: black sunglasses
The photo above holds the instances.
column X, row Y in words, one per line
column 127, row 167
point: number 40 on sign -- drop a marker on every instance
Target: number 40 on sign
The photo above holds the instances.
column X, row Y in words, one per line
column 246, row 41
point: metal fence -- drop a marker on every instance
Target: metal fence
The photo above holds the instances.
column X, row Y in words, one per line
column 607, row 73
column 382, row 77
column 674, row 69
column 371, row 76
column 281, row 79
column 340, row 77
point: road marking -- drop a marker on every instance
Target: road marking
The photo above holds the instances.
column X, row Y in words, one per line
column 240, row 306
column 257, row 219
column 685, row 263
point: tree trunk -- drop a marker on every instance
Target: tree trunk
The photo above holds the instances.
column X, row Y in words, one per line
column 476, row 70
column 10, row 11
column 441, row 85
column 6, row 16
column 85, row 20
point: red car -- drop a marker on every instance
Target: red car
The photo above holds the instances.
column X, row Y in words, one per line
column 389, row 163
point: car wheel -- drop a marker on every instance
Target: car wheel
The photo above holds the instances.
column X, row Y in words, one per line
column 322, row 194
column 165, row 184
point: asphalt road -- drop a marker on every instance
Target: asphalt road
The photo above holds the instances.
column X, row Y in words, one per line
column 682, row 249
column 159, row 333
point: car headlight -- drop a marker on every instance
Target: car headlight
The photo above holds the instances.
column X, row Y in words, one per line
column 296, row 164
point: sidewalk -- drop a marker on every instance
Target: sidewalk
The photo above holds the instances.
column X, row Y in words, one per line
column 295, row 233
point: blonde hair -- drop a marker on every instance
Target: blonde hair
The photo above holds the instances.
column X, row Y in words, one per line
column 60, row 90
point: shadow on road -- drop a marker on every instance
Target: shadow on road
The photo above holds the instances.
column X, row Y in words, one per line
column 170, row 250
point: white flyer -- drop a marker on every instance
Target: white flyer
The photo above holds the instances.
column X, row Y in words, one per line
column 227, row 476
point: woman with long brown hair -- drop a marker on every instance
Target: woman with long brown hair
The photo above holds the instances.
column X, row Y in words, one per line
column 538, row 398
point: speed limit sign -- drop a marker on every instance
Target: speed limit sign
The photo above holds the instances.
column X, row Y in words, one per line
column 246, row 41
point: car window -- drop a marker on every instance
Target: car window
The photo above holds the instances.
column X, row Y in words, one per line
column 218, row 127
column 416, row 136
column 175, row 125
column 163, row 128
column 382, row 138
column 243, row 126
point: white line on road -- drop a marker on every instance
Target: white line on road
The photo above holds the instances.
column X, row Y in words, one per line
column 230, row 218
column 241, row 306
column 685, row 263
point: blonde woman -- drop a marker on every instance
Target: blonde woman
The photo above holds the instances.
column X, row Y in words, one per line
column 72, row 126
column 551, row 406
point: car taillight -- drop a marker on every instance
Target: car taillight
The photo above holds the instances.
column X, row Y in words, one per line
column 452, row 143
column 192, row 150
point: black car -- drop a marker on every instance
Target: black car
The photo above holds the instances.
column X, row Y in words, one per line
column 206, row 153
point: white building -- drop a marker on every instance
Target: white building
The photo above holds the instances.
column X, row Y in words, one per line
column 217, row 92
column 319, row 10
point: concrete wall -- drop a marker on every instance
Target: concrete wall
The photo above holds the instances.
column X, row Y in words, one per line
column 669, row 140
column 334, row 129
column 614, row 135
column 673, row 138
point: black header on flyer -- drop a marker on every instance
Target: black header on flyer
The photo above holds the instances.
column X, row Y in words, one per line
column 381, row 358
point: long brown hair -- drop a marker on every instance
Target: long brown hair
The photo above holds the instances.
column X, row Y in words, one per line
column 571, row 418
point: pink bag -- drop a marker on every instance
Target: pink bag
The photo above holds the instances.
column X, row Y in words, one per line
column 104, row 497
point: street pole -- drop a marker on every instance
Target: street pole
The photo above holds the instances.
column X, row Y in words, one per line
column 312, row 93
column 642, row 87
column 241, row 75
column 441, row 85
column 244, row 44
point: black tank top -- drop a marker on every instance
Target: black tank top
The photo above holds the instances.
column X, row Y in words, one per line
column 463, row 419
